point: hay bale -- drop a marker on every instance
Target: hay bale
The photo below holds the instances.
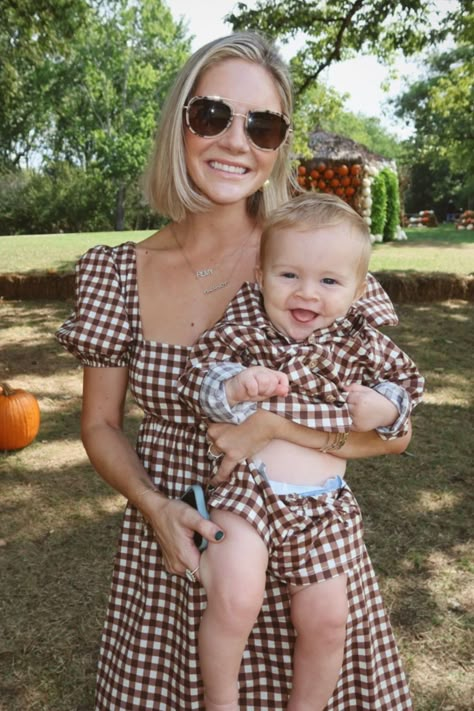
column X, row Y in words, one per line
column 401, row 287
column 426, row 287
column 51, row 287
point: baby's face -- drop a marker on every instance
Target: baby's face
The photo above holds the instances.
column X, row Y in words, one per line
column 310, row 277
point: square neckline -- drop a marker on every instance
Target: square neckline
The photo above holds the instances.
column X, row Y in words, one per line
column 148, row 341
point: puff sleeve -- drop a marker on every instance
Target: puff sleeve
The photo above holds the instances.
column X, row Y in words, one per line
column 98, row 332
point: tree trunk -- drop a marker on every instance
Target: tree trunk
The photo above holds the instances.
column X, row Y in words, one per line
column 120, row 208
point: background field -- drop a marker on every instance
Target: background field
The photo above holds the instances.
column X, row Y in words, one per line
column 438, row 249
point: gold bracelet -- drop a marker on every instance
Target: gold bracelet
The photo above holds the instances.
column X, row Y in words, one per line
column 340, row 438
column 327, row 444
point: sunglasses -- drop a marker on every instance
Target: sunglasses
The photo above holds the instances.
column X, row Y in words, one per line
column 211, row 116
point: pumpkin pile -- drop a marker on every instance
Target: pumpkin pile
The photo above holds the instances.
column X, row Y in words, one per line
column 19, row 417
column 425, row 218
column 466, row 221
column 331, row 177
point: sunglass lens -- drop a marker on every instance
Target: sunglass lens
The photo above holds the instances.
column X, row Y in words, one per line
column 266, row 130
column 208, row 117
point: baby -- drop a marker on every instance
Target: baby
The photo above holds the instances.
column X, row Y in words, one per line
column 302, row 342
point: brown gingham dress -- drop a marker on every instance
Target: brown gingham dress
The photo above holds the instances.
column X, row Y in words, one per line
column 148, row 656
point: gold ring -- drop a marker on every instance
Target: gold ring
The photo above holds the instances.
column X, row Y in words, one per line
column 190, row 574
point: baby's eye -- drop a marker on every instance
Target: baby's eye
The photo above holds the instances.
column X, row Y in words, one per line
column 328, row 280
column 289, row 275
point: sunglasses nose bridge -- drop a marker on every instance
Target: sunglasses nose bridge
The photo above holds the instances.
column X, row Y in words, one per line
column 236, row 127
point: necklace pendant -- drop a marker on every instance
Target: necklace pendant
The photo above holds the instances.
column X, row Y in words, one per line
column 216, row 287
column 201, row 273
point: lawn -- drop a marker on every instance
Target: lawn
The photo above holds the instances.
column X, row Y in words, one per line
column 438, row 249
column 59, row 521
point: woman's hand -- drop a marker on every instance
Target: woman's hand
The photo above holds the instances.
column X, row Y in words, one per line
column 174, row 523
column 238, row 442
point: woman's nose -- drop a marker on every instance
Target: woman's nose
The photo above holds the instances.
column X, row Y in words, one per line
column 236, row 137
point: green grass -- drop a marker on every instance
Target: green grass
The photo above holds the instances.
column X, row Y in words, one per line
column 23, row 254
column 438, row 249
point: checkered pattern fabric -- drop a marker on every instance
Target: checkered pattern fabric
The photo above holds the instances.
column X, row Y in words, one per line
column 148, row 656
column 352, row 350
column 309, row 538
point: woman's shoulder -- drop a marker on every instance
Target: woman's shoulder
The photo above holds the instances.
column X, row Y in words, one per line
column 103, row 254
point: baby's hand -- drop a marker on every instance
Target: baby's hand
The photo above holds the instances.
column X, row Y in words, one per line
column 369, row 409
column 255, row 384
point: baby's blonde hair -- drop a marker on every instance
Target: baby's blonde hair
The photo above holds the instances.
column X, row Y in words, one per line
column 316, row 210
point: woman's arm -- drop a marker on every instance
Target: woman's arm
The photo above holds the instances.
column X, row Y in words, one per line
column 116, row 461
column 241, row 441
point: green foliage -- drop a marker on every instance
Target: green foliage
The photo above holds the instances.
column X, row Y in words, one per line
column 65, row 198
column 378, row 214
column 392, row 219
column 439, row 159
column 316, row 108
column 33, row 34
column 62, row 199
column 342, row 29
column 85, row 90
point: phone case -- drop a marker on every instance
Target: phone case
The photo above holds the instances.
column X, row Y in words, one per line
column 194, row 496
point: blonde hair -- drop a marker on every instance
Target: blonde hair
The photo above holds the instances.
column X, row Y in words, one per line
column 167, row 186
column 315, row 210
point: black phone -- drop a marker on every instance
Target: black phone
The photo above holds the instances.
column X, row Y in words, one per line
column 194, row 496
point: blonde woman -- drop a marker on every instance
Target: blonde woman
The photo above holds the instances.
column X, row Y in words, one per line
column 220, row 163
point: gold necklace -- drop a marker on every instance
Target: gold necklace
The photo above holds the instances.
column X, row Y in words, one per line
column 208, row 271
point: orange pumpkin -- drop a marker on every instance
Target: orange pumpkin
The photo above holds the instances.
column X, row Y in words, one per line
column 19, row 417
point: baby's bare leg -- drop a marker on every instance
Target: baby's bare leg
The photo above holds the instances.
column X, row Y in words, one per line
column 319, row 615
column 233, row 574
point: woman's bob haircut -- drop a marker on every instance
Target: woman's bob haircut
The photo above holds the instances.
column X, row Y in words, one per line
column 168, row 189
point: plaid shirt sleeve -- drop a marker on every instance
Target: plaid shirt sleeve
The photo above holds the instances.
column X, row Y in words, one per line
column 213, row 399
column 399, row 397
column 400, row 381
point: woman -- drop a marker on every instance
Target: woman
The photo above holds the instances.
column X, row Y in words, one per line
column 219, row 164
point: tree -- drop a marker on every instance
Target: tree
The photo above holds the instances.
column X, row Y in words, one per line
column 118, row 73
column 340, row 29
column 439, row 106
column 87, row 91
column 32, row 32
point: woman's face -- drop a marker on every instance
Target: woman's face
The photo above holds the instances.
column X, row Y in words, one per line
column 228, row 168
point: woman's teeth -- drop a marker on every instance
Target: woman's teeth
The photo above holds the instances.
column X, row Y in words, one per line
column 228, row 168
